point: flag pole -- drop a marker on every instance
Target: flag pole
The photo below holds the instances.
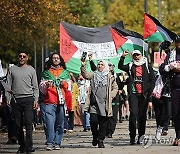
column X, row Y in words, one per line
column 143, row 47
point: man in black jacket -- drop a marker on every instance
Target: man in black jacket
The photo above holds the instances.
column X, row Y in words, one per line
column 171, row 67
column 141, row 84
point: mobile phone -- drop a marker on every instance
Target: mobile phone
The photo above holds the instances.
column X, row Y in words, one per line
column 83, row 57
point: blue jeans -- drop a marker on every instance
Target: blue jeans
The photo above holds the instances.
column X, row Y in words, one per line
column 55, row 123
column 43, row 116
column 85, row 118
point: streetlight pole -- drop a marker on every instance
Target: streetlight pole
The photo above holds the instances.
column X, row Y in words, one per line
column 159, row 10
column 35, row 56
column 146, row 6
column 42, row 57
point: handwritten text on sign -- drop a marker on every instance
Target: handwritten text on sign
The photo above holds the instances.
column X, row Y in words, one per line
column 99, row 50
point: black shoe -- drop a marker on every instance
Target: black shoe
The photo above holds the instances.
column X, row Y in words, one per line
column 126, row 117
column 101, row 144
column 176, row 142
column 132, row 141
column 94, row 141
column 85, row 130
column 65, row 131
column 109, row 135
column 10, row 141
column 21, row 150
column 138, row 142
column 32, row 149
column 88, row 128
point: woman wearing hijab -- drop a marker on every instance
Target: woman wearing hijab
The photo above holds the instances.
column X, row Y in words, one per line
column 103, row 88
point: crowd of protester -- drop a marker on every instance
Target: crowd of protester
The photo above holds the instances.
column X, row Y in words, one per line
column 94, row 100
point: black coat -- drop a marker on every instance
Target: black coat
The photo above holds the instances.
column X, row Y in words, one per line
column 148, row 78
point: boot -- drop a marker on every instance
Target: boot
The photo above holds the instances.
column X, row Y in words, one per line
column 101, row 144
column 95, row 140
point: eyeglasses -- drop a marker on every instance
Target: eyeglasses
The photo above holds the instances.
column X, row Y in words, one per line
column 22, row 56
column 54, row 58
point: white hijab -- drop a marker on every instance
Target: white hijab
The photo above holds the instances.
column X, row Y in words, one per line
column 101, row 77
column 141, row 61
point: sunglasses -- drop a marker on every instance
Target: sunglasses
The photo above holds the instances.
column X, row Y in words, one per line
column 101, row 64
column 22, row 56
column 55, row 58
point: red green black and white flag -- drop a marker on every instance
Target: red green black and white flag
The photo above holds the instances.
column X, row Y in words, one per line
column 155, row 32
column 74, row 40
column 128, row 40
column 106, row 43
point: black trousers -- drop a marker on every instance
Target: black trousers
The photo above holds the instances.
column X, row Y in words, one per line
column 162, row 108
column 120, row 110
column 111, row 124
column 12, row 127
column 8, row 117
column 138, row 108
column 23, row 113
column 101, row 122
column 175, row 100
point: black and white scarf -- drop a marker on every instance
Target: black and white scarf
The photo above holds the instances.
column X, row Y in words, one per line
column 101, row 77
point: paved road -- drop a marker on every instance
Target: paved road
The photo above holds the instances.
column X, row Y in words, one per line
column 79, row 142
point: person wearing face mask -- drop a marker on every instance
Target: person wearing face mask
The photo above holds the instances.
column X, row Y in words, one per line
column 141, row 84
column 103, row 88
column 171, row 68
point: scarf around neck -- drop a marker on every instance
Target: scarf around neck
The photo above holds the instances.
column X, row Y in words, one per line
column 140, row 62
column 101, row 77
column 48, row 76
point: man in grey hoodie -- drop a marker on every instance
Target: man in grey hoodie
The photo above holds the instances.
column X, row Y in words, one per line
column 22, row 80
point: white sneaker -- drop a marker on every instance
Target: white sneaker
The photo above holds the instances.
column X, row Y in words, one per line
column 158, row 133
column 70, row 130
column 49, row 147
column 56, row 147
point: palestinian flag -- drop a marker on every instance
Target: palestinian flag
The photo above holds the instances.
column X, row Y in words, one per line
column 155, row 32
column 74, row 40
column 128, row 40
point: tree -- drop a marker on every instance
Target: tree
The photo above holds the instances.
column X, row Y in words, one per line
column 90, row 12
column 24, row 22
column 131, row 12
column 128, row 12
